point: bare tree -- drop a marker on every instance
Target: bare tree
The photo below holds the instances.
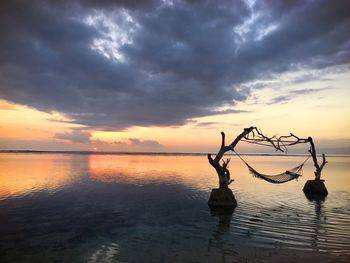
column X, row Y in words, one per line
column 222, row 169
column 318, row 167
column 280, row 143
column 255, row 136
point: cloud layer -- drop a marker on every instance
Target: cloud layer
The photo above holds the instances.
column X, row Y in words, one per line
column 115, row 64
column 75, row 136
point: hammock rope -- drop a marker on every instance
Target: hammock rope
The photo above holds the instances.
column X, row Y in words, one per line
column 286, row 176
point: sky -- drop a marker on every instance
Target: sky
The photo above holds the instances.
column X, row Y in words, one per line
column 169, row 76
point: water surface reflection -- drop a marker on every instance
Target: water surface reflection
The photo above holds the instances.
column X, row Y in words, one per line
column 142, row 208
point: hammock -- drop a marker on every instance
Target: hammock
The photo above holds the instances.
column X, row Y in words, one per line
column 278, row 178
column 288, row 175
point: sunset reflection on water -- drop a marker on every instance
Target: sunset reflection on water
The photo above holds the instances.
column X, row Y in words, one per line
column 23, row 173
column 92, row 202
column 194, row 171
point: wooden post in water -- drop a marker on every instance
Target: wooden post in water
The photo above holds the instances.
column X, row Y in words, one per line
column 316, row 188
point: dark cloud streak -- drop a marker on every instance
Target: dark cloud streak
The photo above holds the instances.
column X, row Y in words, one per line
column 145, row 143
column 75, row 136
column 283, row 99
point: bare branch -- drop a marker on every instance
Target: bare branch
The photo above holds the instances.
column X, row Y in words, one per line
column 222, row 139
column 255, row 136
column 279, row 143
column 225, row 164
column 282, row 143
column 323, row 162
column 222, row 170
column 245, row 133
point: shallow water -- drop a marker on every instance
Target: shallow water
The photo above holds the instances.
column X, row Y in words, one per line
column 153, row 208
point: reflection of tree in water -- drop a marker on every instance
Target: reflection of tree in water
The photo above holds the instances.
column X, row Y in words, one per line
column 318, row 219
column 217, row 241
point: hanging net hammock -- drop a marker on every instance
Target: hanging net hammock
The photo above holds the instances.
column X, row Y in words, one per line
column 288, row 175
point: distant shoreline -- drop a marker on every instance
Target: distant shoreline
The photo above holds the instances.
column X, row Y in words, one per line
column 155, row 153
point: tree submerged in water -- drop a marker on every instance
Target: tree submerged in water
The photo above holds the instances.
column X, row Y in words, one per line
column 281, row 143
column 223, row 196
column 222, row 169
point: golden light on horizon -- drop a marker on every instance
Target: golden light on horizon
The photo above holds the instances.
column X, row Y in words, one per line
column 22, row 122
column 323, row 118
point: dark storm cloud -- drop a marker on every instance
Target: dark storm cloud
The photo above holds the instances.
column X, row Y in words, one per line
column 181, row 59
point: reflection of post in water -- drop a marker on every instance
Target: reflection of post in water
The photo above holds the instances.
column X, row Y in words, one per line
column 224, row 214
column 217, row 241
column 318, row 202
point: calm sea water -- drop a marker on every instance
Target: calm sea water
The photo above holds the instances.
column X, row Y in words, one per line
column 153, row 208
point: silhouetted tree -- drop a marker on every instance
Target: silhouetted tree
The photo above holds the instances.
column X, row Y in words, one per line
column 222, row 169
column 280, row 143
column 255, row 136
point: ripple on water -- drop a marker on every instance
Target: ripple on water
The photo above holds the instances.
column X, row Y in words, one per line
column 292, row 222
column 105, row 212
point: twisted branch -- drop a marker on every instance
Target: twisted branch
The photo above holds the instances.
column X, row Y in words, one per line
column 222, row 170
column 279, row 143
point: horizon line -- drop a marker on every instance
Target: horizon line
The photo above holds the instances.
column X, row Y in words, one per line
column 157, row 153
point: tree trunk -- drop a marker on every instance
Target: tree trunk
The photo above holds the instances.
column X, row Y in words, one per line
column 318, row 167
column 222, row 170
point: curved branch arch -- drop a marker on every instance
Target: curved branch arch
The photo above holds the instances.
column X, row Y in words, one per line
column 255, row 136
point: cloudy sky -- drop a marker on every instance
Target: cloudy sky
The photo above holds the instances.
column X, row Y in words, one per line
column 170, row 75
